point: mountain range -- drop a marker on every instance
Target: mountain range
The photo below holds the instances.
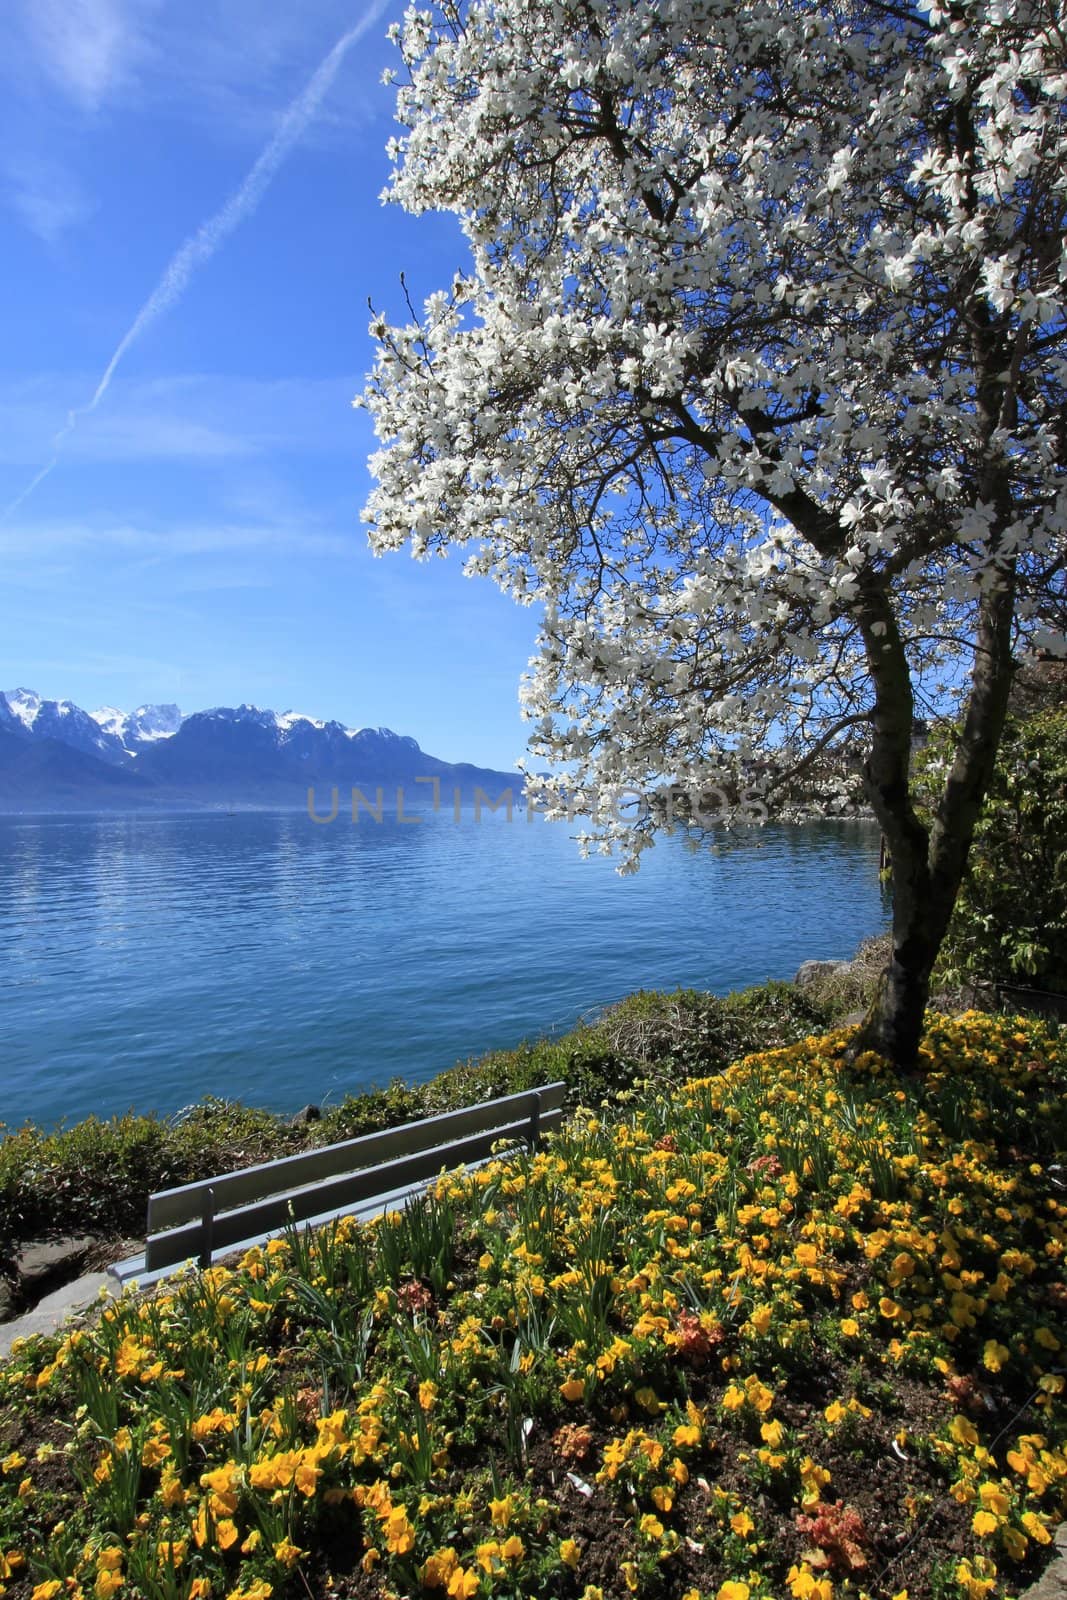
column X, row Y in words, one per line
column 56, row 757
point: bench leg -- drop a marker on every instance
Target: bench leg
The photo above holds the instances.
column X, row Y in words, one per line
column 535, row 1124
column 207, row 1228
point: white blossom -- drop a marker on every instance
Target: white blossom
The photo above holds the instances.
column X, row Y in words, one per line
column 758, row 379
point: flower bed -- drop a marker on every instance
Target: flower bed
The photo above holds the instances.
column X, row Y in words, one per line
column 796, row 1330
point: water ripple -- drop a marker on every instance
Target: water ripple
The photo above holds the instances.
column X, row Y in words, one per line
column 146, row 961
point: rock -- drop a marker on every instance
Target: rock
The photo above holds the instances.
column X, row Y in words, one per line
column 306, row 1115
column 54, row 1310
column 1052, row 1585
column 39, row 1263
column 811, row 971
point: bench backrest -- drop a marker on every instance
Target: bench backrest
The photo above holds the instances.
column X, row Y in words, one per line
column 218, row 1213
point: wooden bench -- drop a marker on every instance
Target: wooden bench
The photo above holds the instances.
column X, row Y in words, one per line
column 360, row 1177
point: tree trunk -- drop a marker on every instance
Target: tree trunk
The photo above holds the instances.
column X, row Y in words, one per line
column 927, row 864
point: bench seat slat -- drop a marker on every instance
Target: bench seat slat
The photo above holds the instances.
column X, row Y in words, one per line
column 344, row 1193
column 170, row 1208
column 134, row 1270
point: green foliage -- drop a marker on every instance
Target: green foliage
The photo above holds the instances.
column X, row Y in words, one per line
column 102, row 1172
column 1010, row 921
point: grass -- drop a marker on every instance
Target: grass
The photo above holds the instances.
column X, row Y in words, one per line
column 790, row 1330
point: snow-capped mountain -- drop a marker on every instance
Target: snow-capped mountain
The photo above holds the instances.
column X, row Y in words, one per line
column 53, row 754
column 65, row 722
column 136, row 728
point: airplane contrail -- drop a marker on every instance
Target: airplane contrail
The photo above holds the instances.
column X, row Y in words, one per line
column 200, row 246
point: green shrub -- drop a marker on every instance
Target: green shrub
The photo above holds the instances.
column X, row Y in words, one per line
column 1010, row 922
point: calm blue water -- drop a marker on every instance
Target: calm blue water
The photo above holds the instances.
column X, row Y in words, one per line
column 146, row 961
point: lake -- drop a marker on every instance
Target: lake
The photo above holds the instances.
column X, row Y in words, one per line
column 149, row 960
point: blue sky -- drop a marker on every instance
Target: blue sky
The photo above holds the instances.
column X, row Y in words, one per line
column 199, row 538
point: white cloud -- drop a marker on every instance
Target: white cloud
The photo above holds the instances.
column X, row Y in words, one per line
column 152, row 541
column 232, row 64
column 88, row 48
column 190, row 418
column 46, row 197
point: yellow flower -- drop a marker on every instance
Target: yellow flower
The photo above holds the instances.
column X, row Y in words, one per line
column 834, row 1413
column 963, row 1432
column 994, row 1355
column 733, row 1589
column 573, row 1389
column 741, row 1524
column 804, row 1585
column 462, row 1583
column 216, row 1421
column 651, row 1526
column 649, row 1401
column 259, row 1590
column 814, row 1479
column 984, row 1522
column 976, row 1581
column 438, row 1568
column 399, row 1534
column 761, row 1318
column 223, row 1485
column 850, row 1327
column 307, row 1474
column 772, row 1433
column 513, row 1548
column 569, row 1552
column 170, row 1490
column 287, row 1553
column 686, row 1435
column 486, row 1554
column 427, row 1395
column 500, row 1511
column 47, row 1590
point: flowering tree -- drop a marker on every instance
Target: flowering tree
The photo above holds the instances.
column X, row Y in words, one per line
column 757, row 384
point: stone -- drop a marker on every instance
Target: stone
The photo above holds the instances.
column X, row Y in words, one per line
column 45, row 1259
column 1052, row 1584
column 811, row 971
column 54, row 1310
column 306, row 1115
